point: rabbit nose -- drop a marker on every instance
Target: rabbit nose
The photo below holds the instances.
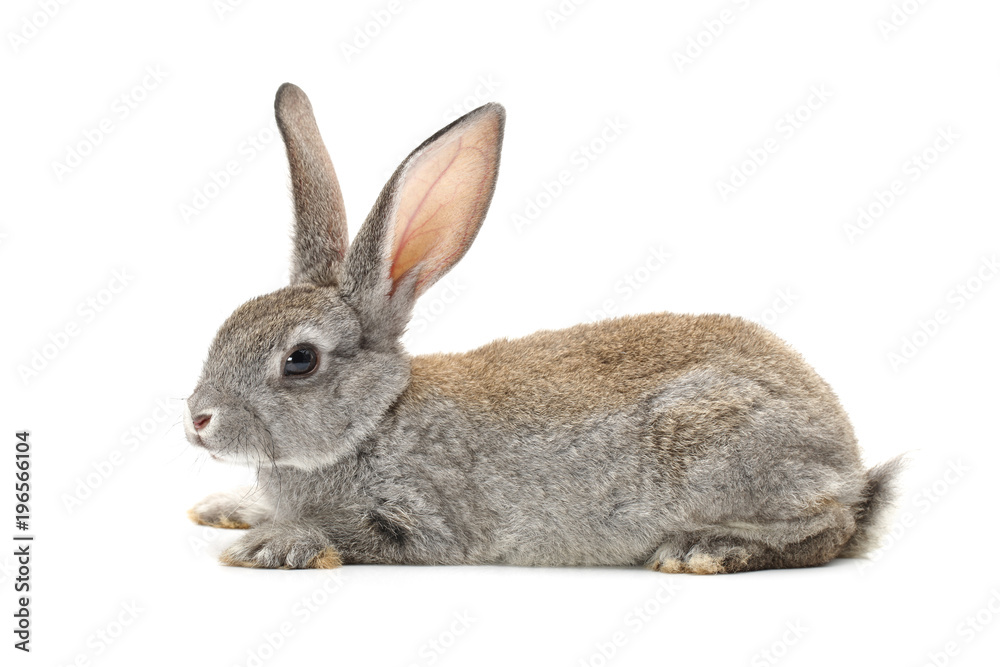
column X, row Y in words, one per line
column 201, row 421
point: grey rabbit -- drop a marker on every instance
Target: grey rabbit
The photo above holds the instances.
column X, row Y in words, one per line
column 682, row 443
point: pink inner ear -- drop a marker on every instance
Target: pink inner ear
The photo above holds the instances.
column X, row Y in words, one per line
column 442, row 202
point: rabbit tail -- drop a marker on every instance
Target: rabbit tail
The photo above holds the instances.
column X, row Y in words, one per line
column 878, row 497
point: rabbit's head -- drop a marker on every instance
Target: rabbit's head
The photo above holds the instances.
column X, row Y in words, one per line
column 299, row 376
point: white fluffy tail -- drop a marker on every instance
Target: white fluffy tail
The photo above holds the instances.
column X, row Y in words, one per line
column 871, row 515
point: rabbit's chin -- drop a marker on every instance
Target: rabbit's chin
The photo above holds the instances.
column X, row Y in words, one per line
column 245, row 459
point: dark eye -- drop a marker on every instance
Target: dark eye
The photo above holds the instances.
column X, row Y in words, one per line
column 301, row 361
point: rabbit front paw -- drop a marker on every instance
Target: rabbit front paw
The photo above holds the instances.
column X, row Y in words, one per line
column 282, row 547
column 240, row 508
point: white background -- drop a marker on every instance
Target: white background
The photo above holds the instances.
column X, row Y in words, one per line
column 113, row 476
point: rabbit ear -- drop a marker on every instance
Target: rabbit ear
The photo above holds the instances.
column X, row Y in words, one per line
column 320, row 221
column 424, row 221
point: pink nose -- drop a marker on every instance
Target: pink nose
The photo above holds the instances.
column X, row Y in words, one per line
column 201, row 421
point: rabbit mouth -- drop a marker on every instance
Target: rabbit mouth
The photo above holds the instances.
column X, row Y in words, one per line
column 195, row 439
column 227, row 431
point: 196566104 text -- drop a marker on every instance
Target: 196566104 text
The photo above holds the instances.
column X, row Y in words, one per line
column 22, row 542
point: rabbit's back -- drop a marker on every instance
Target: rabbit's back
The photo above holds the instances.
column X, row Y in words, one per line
column 655, row 360
column 589, row 444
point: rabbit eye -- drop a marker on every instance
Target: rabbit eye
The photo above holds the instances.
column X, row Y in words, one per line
column 301, row 361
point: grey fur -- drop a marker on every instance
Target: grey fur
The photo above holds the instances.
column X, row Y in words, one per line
column 871, row 516
column 321, row 223
column 683, row 443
